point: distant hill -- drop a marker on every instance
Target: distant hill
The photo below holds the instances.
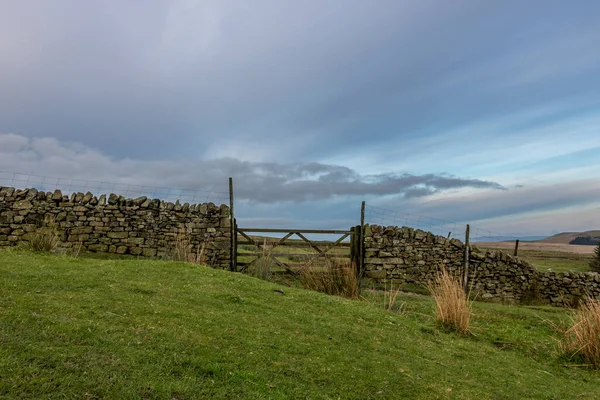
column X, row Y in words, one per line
column 499, row 238
column 568, row 237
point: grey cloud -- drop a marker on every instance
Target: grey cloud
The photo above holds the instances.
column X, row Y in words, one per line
column 486, row 205
column 254, row 181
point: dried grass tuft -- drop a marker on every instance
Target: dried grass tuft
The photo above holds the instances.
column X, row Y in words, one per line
column 582, row 337
column 45, row 238
column 183, row 250
column 262, row 267
column 334, row 277
column 453, row 308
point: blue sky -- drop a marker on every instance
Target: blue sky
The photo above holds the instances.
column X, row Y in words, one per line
column 464, row 111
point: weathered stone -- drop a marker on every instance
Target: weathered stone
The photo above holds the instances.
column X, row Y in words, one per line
column 81, row 230
column 57, row 195
column 31, row 194
column 117, row 235
column 377, row 274
column 100, row 248
column 140, row 200
column 22, row 205
column 149, row 252
column 136, row 241
column 7, row 191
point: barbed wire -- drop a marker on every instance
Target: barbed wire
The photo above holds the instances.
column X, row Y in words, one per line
column 449, row 229
column 20, row 180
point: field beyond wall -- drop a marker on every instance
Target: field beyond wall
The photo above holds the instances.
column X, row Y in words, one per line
column 90, row 328
column 555, row 256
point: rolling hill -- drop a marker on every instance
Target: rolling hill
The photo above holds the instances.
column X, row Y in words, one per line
column 567, row 237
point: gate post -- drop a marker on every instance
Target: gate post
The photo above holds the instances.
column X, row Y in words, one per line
column 234, row 246
column 361, row 240
column 355, row 248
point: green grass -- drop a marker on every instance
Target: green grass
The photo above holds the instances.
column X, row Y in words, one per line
column 127, row 329
column 557, row 261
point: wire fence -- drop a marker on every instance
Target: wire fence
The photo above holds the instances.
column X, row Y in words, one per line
column 373, row 214
column 98, row 188
column 385, row 217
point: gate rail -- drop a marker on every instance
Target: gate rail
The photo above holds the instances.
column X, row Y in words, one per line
column 321, row 248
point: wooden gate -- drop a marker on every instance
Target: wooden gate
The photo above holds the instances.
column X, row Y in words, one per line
column 294, row 250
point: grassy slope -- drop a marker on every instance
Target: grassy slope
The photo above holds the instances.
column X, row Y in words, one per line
column 81, row 328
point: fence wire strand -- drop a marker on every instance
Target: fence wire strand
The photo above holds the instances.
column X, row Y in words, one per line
column 71, row 185
column 385, row 217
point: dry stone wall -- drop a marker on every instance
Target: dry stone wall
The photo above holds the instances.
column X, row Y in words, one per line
column 405, row 255
column 568, row 288
column 115, row 224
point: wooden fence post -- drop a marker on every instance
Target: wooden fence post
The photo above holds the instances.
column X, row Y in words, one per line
column 361, row 239
column 233, row 230
column 516, row 252
column 235, row 238
column 467, row 245
column 353, row 249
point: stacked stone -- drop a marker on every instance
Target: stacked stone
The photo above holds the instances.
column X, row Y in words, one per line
column 496, row 275
column 568, row 288
column 114, row 224
column 406, row 255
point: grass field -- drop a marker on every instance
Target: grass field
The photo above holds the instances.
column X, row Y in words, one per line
column 143, row 329
column 557, row 257
column 557, row 261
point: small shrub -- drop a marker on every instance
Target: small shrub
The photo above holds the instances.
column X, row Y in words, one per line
column 334, row 277
column 261, row 268
column 582, row 337
column 452, row 306
column 595, row 263
column 45, row 238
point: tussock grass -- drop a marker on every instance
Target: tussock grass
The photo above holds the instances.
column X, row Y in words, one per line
column 262, row 267
column 333, row 276
column 76, row 249
column 582, row 337
column 386, row 299
column 452, row 306
column 183, row 251
column 390, row 297
column 45, row 238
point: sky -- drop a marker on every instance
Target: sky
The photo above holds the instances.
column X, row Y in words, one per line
column 434, row 113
